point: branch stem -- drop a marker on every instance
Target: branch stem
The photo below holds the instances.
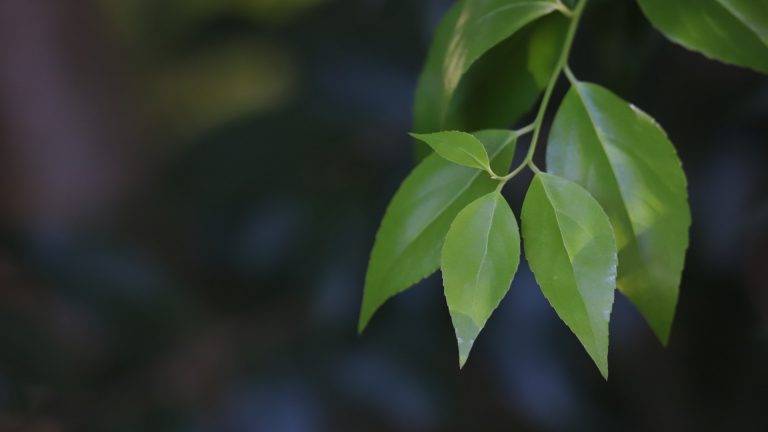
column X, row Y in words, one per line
column 559, row 67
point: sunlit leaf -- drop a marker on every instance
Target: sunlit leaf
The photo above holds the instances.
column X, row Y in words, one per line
column 571, row 250
column 626, row 161
column 480, row 258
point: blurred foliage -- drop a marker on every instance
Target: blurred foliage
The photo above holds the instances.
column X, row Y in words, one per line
column 199, row 76
column 168, row 20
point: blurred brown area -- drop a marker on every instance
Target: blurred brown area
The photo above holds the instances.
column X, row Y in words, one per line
column 67, row 150
column 189, row 190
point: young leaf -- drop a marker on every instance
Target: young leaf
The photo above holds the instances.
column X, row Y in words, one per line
column 480, row 258
column 626, row 161
column 733, row 31
column 458, row 147
column 518, row 72
column 411, row 236
column 570, row 247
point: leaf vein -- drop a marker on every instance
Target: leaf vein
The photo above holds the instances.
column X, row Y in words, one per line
column 487, row 238
column 602, row 140
column 570, row 261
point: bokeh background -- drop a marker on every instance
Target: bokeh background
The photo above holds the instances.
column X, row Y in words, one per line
column 189, row 190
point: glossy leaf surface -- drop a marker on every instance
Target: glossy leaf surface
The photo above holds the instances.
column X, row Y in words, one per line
column 571, row 250
column 412, row 233
column 458, row 147
column 625, row 160
column 481, row 25
column 480, row 258
column 732, row 31
column 502, row 85
column 498, row 67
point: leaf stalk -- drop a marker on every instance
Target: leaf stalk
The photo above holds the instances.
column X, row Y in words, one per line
column 562, row 64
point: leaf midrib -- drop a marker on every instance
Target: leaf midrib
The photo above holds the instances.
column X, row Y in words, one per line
column 601, row 139
column 480, row 163
column 480, row 267
column 723, row 4
column 555, row 211
column 450, row 52
column 548, row 7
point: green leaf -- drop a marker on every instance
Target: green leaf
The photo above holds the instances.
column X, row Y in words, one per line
column 502, row 85
column 458, row 147
column 509, row 71
column 626, row 161
column 482, row 24
column 570, row 247
column 733, row 31
column 412, row 233
column 506, row 81
column 480, row 258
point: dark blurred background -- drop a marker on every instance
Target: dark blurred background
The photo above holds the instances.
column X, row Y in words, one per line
column 189, row 190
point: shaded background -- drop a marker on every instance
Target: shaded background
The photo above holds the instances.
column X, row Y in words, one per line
column 189, row 191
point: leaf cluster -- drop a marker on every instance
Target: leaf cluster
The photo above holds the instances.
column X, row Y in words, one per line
column 610, row 211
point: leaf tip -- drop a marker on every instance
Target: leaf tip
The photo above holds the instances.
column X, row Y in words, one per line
column 660, row 323
column 466, row 333
column 362, row 323
column 465, row 346
column 600, row 358
column 463, row 360
column 360, row 328
column 603, row 367
column 663, row 335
